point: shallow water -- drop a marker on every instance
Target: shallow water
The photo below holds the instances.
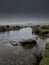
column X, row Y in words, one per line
column 17, row 55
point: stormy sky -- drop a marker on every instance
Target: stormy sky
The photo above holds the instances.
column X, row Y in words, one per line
column 26, row 8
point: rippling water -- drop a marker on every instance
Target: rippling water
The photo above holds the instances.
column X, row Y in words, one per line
column 17, row 55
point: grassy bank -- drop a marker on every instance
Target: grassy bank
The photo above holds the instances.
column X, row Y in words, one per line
column 43, row 33
column 39, row 30
column 45, row 60
column 44, row 30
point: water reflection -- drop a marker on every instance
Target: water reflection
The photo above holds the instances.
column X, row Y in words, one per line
column 23, row 33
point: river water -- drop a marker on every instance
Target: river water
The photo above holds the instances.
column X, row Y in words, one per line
column 17, row 55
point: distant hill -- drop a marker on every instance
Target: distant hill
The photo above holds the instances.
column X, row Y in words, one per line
column 29, row 24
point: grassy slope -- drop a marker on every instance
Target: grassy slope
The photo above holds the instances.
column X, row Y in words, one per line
column 45, row 60
column 44, row 30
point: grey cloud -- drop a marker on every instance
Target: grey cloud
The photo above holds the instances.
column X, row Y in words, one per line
column 24, row 5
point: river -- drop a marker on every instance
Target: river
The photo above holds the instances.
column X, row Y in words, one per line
column 17, row 55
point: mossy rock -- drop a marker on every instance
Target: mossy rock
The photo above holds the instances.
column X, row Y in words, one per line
column 46, row 54
column 44, row 61
column 47, row 46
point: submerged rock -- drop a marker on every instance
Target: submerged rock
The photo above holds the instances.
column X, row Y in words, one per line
column 28, row 43
column 14, row 43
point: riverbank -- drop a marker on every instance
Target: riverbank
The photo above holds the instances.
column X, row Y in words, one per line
column 45, row 60
column 10, row 28
column 42, row 31
column 37, row 28
column 4, row 28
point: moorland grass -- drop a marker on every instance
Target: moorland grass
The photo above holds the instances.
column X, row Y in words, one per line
column 44, row 61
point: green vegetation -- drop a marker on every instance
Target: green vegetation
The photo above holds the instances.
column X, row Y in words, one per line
column 47, row 46
column 9, row 28
column 45, row 61
column 46, row 54
column 2, row 28
column 44, row 30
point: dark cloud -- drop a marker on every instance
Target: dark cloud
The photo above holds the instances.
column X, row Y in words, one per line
column 24, row 5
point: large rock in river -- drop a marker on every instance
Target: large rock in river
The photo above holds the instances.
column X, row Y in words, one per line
column 29, row 43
